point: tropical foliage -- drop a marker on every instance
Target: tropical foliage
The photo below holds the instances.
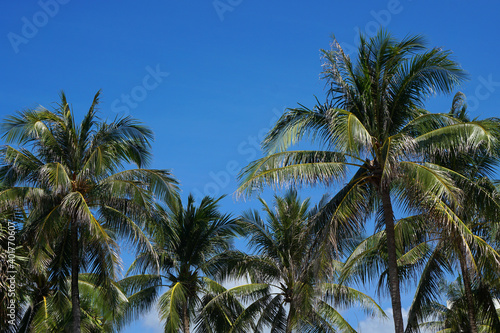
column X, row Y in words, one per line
column 470, row 249
column 374, row 128
column 67, row 179
column 190, row 245
column 292, row 276
column 453, row 317
column 68, row 201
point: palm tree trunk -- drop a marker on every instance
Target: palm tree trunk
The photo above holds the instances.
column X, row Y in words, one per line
column 471, row 311
column 392, row 260
column 75, row 265
column 185, row 318
column 289, row 320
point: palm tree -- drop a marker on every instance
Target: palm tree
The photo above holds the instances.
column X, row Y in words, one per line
column 471, row 251
column 45, row 311
column 453, row 317
column 292, row 285
column 368, row 259
column 69, row 179
column 38, row 306
column 428, row 254
column 41, row 307
column 375, row 127
column 427, row 250
column 191, row 244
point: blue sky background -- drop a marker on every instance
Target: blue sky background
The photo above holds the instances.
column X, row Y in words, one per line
column 225, row 70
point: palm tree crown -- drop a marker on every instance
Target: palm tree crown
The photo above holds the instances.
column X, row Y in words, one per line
column 292, row 279
column 191, row 245
column 375, row 124
column 68, row 177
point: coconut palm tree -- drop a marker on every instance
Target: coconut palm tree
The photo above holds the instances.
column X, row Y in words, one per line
column 292, row 287
column 427, row 254
column 40, row 306
column 453, row 317
column 427, row 251
column 473, row 252
column 70, row 181
column 374, row 130
column 192, row 244
column 43, row 310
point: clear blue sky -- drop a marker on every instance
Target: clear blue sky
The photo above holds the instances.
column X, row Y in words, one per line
column 210, row 76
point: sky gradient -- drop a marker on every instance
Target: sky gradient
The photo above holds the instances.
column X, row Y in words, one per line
column 210, row 77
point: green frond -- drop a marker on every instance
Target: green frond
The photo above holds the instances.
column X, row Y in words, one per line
column 464, row 137
column 294, row 124
column 430, row 180
column 346, row 297
column 56, row 177
column 332, row 316
column 293, row 168
column 160, row 182
column 170, row 304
